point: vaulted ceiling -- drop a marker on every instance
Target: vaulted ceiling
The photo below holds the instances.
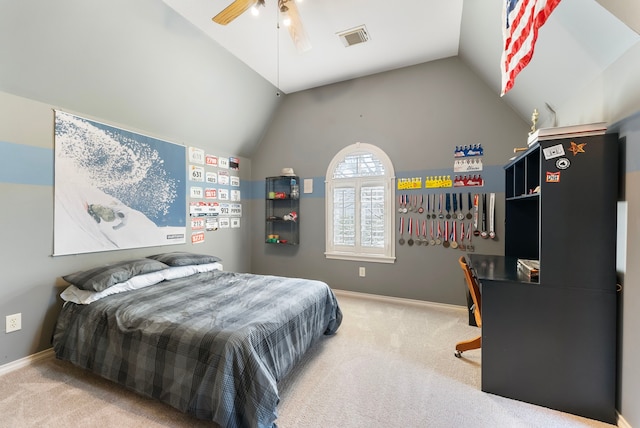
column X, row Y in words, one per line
column 579, row 41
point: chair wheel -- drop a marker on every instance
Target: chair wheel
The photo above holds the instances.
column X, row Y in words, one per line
column 458, row 354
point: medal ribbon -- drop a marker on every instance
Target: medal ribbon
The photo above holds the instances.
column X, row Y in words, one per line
column 446, row 230
column 454, row 232
column 484, row 213
column 492, row 212
column 476, row 200
column 448, row 206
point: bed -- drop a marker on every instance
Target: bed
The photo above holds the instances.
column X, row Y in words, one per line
column 210, row 343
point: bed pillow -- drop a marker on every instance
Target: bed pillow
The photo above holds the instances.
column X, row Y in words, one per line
column 103, row 277
column 175, row 272
column 180, row 258
column 84, row 297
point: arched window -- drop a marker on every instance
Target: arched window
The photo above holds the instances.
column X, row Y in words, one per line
column 359, row 205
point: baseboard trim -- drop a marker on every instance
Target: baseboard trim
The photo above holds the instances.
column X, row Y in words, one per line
column 622, row 422
column 22, row 362
column 400, row 300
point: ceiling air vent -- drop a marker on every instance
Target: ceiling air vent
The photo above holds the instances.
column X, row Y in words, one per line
column 354, row 36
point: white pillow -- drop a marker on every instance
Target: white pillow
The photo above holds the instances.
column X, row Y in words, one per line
column 84, row 297
column 182, row 271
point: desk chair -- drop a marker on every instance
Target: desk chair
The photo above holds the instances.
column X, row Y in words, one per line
column 474, row 289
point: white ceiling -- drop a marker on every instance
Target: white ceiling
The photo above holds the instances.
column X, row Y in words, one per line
column 578, row 42
column 402, row 33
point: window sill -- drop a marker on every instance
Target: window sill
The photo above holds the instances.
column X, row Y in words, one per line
column 373, row 258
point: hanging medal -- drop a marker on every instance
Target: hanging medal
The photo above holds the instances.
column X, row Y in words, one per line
column 460, row 214
column 470, row 246
column 410, row 231
column 476, row 202
column 492, row 215
column 433, row 205
column 469, row 207
column 401, row 240
column 432, row 241
column 445, row 242
column 428, row 206
column 461, row 246
column 484, row 233
column 454, row 240
column 421, row 210
column 438, row 240
column 425, row 241
column 448, row 206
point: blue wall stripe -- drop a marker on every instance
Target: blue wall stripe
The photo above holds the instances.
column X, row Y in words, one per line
column 493, row 177
column 23, row 164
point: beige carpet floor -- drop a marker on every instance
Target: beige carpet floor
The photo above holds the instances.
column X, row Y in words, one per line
column 390, row 365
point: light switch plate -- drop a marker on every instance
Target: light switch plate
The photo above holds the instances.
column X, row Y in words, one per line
column 308, row 185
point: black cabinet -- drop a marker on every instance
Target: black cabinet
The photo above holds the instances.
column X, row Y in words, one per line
column 282, row 210
column 553, row 342
column 561, row 209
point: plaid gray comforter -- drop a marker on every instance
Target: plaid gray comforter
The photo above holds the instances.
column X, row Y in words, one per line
column 213, row 345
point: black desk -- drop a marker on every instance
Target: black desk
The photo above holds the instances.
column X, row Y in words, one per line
column 497, row 268
column 536, row 340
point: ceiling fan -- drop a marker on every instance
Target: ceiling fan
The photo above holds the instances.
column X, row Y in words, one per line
column 287, row 8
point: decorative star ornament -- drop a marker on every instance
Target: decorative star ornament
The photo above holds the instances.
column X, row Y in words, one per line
column 577, row 148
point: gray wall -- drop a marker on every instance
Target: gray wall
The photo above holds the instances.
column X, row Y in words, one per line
column 140, row 66
column 133, row 62
column 136, row 65
column 417, row 115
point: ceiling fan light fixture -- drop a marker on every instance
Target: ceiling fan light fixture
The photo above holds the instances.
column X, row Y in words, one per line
column 255, row 11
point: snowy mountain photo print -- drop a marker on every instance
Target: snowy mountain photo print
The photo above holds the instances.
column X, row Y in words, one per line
column 115, row 189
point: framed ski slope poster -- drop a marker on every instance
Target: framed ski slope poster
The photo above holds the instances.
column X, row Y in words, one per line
column 115, row 189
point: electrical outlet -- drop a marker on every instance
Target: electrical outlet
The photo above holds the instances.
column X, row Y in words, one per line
column 362, row 272
column 14, row 322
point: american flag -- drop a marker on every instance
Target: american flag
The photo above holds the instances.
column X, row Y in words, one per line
column 521, row 21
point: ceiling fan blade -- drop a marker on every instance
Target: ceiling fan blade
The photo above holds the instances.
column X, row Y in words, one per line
column 234, row 10
column 296, row 29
